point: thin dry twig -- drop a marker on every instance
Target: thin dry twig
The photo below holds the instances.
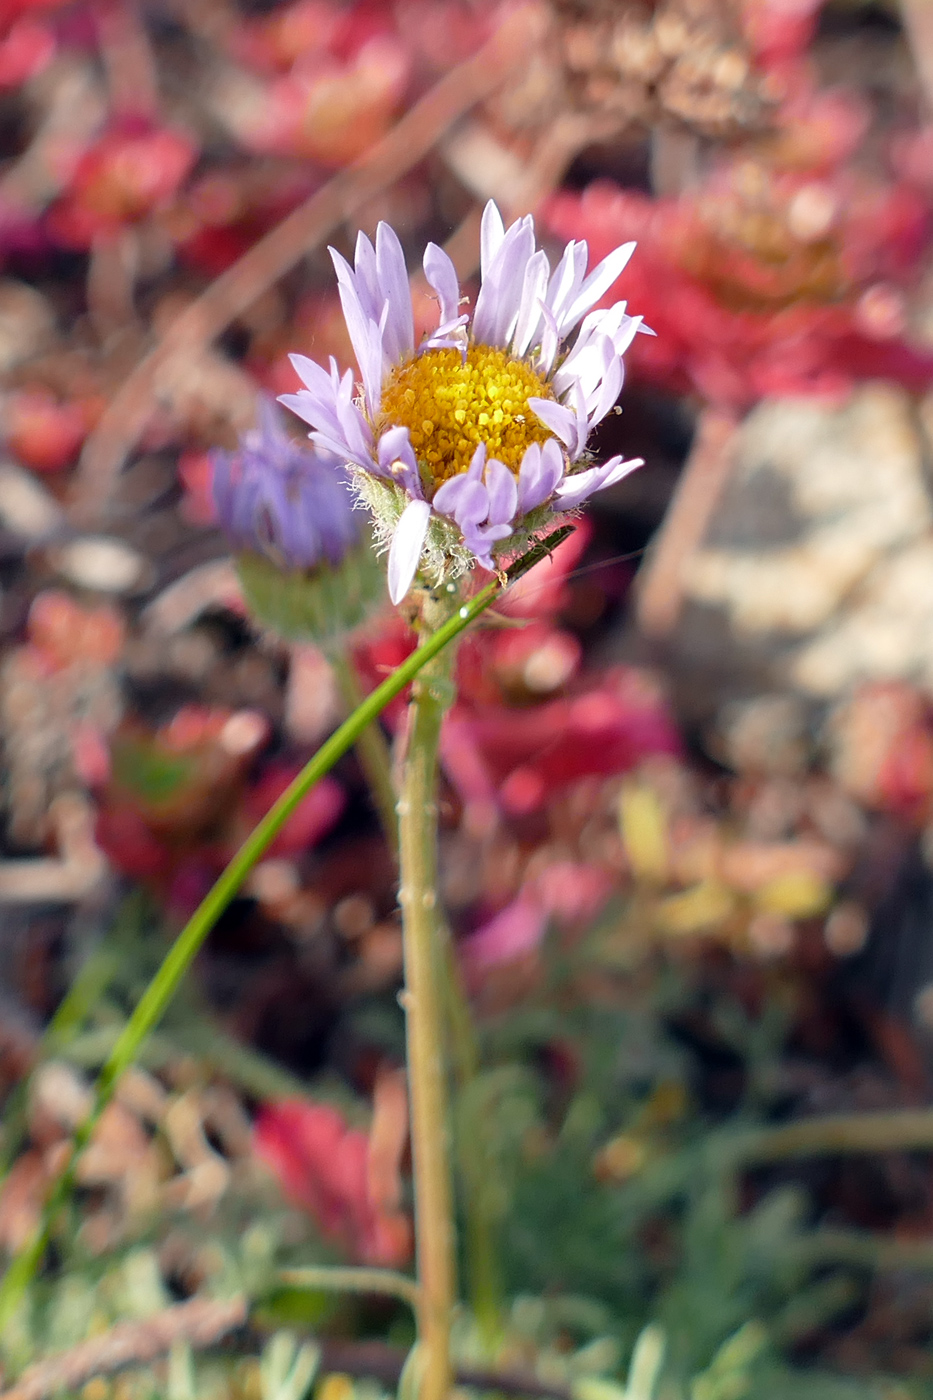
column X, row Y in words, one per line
column 408, row 142
column 79, row 867
column 200, row 1322
column 918, row 22
column 901, row 1130
column 701, row 484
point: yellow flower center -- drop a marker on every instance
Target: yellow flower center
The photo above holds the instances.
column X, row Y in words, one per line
column 449, row 406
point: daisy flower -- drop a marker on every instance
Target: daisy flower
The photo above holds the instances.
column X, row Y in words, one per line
column 467, row 445
column 276, row 498
column 305, row 568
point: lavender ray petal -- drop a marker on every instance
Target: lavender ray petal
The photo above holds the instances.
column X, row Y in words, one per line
column 561, row 421
column 541, row 470
column 603, row 398
column 585, row 365
column 492, row 232
column 466, row 501
column 314, row 376
column 534, row 285
column 577, row 403
column 307, row 406
column 399, row 335
column 479, row 539
column 499, row 297
column 367, row 276
column 567, row 279
column 356, row 431
column 396, row 459
column 442, row 278
column 550, row 342
column 406, row 546
column 503, row 492
column 475, row 470
column 366, row 338
column 597, row 284
column 576, row 489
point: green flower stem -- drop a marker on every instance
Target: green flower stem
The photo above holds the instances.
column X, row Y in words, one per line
column 157, row 995
column 328, row 1279
column 371, row 748
column 161, row 989
column 423, row 1001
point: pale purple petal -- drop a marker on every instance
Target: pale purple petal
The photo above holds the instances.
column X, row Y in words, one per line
column 503, row 492
column 569, row 426
column 550, row 342
column 366, row 280
column 442, row 277
column 539, row 474
column 597, row 285
column 450, row 336
column 405, row 550
column 491, row 234
column 366, row 338
column 314, row 376
column 399, row 334
column 500, row 295
column 480, row 539
column 576, row 489
column 534, row 286
column 318, row 404
column 602, row 400
column 586, row 365
column 464, row 499
column 567, row 280
column 328, row 406
column 396, row 459
column 475, row 470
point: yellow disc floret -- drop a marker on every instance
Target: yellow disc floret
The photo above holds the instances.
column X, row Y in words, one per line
column 449, row 406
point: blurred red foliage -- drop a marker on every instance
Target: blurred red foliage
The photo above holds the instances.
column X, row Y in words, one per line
column 327, row 1167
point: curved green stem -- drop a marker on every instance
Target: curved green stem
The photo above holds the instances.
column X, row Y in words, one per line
column 371, row 748
column 161, row 989
column 423, row 1002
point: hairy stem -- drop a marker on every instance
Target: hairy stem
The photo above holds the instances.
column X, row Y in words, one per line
column 424, row 1003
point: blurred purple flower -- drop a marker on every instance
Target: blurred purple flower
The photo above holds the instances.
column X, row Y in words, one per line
column 284, row 501
column 480, row 434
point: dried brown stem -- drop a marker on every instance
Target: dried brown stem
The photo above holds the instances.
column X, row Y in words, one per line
column 918, row 22
column 200, row 1322
column 901, row 1130
column 705, row 473
column 132, row 82
column 291, row 240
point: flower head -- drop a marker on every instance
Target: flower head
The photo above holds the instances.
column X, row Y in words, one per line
column 464, row 447
column 305, row 568
column 276, row 498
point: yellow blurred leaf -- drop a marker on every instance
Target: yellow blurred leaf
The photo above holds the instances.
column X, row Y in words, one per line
column 643, row 827
column 798, row 895
column 696, row 910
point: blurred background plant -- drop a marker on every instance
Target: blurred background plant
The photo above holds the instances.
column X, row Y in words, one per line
column 687, row 783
